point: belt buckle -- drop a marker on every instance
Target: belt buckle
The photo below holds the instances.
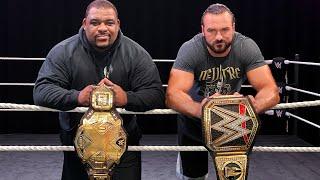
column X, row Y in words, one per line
column 101, row 139
column 230, row 125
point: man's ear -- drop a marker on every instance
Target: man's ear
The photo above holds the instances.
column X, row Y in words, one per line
column 202, row 29
column 84, row 23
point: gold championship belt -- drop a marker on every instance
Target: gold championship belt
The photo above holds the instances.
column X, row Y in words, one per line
column 101, row 139
column 229, row 127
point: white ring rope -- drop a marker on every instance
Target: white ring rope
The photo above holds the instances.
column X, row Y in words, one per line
column 160, row 148
column 16, row 107
column 268, row 61
column 155, row 60
column 268, row 112
column 288, row 114
column 42, row 59
column 32, row 84
column 294, row 105
column 302, row 119
column 16, row 84
column 246, row 86
column 21, row 59
column 289, row 88
column 163, row 60
column 300, row 62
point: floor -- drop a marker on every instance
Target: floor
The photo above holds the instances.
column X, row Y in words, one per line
column 158, row 165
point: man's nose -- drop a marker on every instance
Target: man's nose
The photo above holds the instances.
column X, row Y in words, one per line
column 218, row 36
column 103, row 27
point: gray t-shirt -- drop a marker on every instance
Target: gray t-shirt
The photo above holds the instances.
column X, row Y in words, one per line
column 218, row 74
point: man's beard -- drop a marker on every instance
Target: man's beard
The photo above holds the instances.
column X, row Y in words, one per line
column 219, row 49
column 102, row 47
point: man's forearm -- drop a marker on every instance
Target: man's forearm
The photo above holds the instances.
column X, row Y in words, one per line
column 266, row 99
column 146, row 99
column 184, row 104
column 55, row 97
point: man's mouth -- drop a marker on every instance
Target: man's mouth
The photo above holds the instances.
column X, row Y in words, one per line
column 219, row 45
column 102, row 37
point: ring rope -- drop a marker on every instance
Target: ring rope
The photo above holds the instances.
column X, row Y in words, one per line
column 300, row 62
column 269, row 112
column 268, row 61
column 158, row 60
column 160, row 148
column 21, row 59
column 163, row 111
column 32, row 84
column 246, row 86
column 16, row 84
column 9, row 106
column 16, row 107
column 289, row 88
column 302, row 119
column 42, row 59
column 294, row 105
column 288, row 114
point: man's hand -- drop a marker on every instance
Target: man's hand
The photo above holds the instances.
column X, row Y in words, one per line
column 120, row 95
column 199, row 114
column 267, row 94
column 254, row 103
column 204, row 100
column 84, row 96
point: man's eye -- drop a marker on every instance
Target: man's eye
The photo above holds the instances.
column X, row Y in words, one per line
column 110, row 23
column 224, row 30
column 211, row 30
column 95, row 23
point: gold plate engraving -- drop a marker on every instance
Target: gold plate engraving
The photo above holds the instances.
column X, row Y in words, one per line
column 229, row 167
column 101, row 139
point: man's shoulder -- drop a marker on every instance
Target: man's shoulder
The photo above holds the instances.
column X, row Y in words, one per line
column 242, row 43
column 132, row 47
column 126, row 41
column 65, row 47
column 193, row 47
column 240, row 38
column 195, row 42
column 247, row 51
column 69, row 42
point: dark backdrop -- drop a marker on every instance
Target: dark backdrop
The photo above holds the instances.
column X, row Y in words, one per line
column 280, row 27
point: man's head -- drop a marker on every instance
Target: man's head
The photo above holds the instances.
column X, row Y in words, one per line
column 218, row 27
column 101, row 24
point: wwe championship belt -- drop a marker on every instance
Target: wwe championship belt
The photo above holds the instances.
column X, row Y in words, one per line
column 229, row 127
column 101, row 139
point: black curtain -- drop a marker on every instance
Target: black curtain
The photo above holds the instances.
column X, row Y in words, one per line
column 31, row 28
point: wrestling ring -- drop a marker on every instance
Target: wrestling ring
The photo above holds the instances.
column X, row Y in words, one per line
column 282, row 109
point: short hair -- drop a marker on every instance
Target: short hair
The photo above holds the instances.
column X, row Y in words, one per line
column 100, row 4
column 217, row 9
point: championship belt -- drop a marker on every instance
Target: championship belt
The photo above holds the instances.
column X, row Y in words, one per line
column 101, row 139
column 229, row 127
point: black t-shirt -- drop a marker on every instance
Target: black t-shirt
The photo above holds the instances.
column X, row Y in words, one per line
column 216, row 74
